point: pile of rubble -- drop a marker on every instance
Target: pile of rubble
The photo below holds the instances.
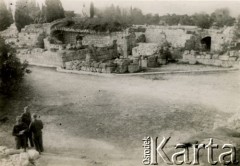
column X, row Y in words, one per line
column 229, row 59
column 13, row 157
column 111, row 66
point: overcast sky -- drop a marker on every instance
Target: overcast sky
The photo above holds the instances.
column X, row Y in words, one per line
column 157, row 6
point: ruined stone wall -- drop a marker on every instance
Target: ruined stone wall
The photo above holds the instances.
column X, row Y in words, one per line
column 230, row 59
column 29, row 35
column 94, row 39
column 11, row 34
column 146, row 49
column 40, row 57
column 220, row 37
column 177, row 37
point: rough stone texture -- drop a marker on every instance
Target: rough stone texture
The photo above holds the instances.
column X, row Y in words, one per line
column 133, row 68
column 146, row 49
column 12, row 157
column 177, row 36
column 206, row 59
column 28, row 37
column 49, row 46
column 45, row 58
column 33, row 154
column 10, row 34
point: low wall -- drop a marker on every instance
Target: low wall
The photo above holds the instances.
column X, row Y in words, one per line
column 94, row 39
column 213, row 60
column 177, row 37
column 40, row 57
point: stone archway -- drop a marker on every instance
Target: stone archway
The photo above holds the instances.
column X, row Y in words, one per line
column 206, row 43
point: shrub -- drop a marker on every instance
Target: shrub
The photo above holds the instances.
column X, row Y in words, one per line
column 11, row 69
column 194, row 43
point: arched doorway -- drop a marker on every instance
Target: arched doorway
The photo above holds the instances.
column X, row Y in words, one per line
column 206, row 43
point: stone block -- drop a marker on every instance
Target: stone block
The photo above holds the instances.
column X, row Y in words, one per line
column 133, row 68
column 145, row 49
column 144, row 63
column 226, row 64
column 99, row 70
column 232, row 58
column 122, row 68
column 200, row 60
column 224, row 57
column 2, row 149
column 192, row 61
column 69, row 65
column 192, row 52
column 110, row 69
column 162, row 61
column 152, row 64
column 208, row 56
column 215, row 56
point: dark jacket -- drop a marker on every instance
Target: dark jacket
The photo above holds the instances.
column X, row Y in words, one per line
column 26, row 118
column 20, row 127
column 36, row 127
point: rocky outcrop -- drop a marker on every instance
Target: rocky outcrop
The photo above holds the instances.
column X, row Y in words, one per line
column 13, row 157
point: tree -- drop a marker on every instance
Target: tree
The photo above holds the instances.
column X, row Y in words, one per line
column 92, row 12
column 202, row 20
column 34, row 10
column 11, row 20
column 237, row 30
column 69, row 14
column 194, row 43
column 11, row 69
column 22, row 15
column 5, row 16
column 221, row 17
column 54, row 10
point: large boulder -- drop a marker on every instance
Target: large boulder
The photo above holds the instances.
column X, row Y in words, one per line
column 33, row 154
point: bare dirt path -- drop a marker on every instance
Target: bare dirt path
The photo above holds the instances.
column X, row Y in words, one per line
column 92, row 120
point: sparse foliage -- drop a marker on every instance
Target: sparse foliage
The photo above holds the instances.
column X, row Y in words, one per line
column 221, row 17
column 92, row 12
column 22, row 14
column 5, row 16
column 11, row 69
column 202, row 20
column 54, row 10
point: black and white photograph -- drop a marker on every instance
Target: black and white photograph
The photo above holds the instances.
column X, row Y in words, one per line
column 119, row 82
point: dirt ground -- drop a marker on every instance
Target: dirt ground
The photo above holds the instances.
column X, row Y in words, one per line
column 91, row 120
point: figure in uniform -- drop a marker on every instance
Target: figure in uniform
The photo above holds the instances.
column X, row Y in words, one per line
column 26, row 118
column 19, row 131
column 36, row 127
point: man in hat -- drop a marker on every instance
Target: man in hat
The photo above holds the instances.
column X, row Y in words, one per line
column 36, row 127
column 19, row 131
column 26, row 118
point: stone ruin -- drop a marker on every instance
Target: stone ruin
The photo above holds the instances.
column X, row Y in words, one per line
column 131, row 50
